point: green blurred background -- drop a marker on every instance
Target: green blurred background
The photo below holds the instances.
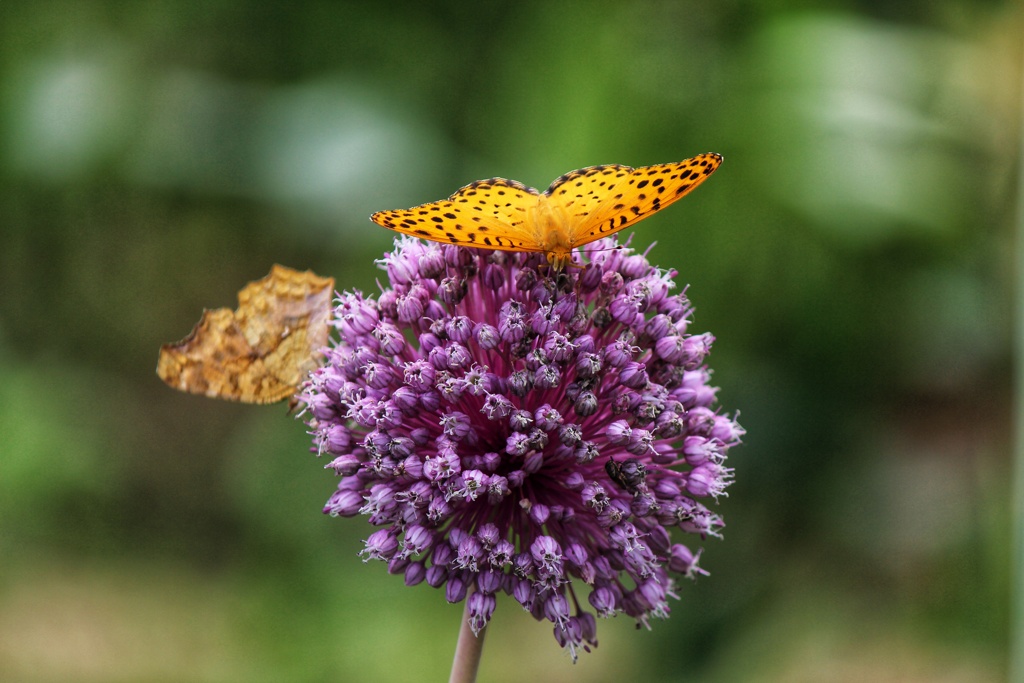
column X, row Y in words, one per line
column 854, row 257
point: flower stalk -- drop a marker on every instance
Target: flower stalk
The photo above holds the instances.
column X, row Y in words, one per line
column 468, row 651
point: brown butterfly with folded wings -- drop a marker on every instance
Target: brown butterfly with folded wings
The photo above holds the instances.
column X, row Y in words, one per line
column 260, row 352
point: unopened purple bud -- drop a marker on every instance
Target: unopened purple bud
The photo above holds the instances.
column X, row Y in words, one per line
column 700, row 421
column 400, row 447
column 590, row 279
column 523, row 592
column 643, row 505
column 611, row 282
column 670, row 348
column 415, row 572
column 436, row 575
column 428, row 342
column 576, row 555
column 556, row 608
column 634, row 375
column 585, row 404
column 490, row 461
column 420, row 436
column 520, row 382
column 387, row 304
column 405, row 399
column 493, row 277
column 658, row 326
column 618, row 433
column 438, row 357
column 567, row 307
column 455, row 591
column 452, row 290
column 486, row 336
column 488, row 581
column 584, row 343
column 431, row 262
column 337, row 439
column 603, row 600
column 516, row 478
column 410, row 307
column 624, row 309
column 430, row 401
column 540, row 514
column 459, row 328
column 533, row 461
column 588, row 365
column 575, row 481
column 669, row 425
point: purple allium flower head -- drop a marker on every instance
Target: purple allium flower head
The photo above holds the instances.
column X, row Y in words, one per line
column 514, row 429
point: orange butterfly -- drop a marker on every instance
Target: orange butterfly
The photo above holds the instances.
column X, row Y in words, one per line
column 578, row 208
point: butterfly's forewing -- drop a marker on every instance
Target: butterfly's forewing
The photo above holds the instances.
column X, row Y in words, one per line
column 486, row 213
column 606, row 199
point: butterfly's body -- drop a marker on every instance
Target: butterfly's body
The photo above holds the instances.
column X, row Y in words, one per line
column 551, row 227
column 578, row 208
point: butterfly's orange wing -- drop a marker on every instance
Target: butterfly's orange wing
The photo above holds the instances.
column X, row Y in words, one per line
column 603, row 200
column 489, row 213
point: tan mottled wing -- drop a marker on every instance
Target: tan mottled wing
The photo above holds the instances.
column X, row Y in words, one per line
column 487, row 213
column 261, row 352
column 603, row 200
